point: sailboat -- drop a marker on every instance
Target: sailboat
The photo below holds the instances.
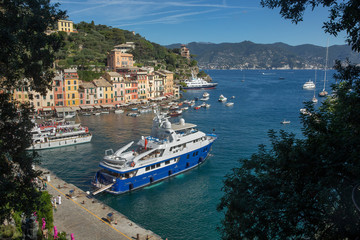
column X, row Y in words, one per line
column 314, row 99
column 324, row 93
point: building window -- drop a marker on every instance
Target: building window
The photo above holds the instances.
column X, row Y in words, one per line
column 69, row 83
column 81, row 101
column 73, row 95
column 51, row 96
column 74, row 87
column 69, row 88
column 73, row 102
column 74, row 82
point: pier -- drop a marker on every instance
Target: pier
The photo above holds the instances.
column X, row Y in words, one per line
column 88, row 218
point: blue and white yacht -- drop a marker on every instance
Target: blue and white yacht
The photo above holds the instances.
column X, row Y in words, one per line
column 172, row 148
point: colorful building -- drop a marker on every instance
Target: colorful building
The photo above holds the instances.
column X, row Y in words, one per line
column 117, row 59
column 65, row 26
column 118, row 83
column 168, row 82
column 104, row 92
column 71, row 86
column 159, row 84
column 143, row 85
column 87, row 93
column 185, row 52
column 59, row 90
column 131, row 90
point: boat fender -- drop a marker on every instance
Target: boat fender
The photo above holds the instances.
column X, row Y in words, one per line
column 86, row 129
column 131, row 186
column 201, row 159
column 170, row 172
column 132, row 164
column 187, row 164
column 151, row 179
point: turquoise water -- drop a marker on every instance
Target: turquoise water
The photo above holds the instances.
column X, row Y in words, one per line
column 184, row 207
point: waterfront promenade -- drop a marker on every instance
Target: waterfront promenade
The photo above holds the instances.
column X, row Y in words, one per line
column 87, row 218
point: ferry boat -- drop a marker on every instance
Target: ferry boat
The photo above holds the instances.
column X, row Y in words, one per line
column 172, row 148
column 54, row 136
column 198, row 83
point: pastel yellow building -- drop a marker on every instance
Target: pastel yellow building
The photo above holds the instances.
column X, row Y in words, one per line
column 71, row 86
column 65, row 26
column 143, row 85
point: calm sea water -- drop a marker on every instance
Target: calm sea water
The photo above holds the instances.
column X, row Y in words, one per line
column 184, row 207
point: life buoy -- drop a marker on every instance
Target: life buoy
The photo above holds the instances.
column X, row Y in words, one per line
column 132, row 164
column 86, row 129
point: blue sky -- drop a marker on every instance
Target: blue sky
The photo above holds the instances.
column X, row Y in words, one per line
column 216, row 21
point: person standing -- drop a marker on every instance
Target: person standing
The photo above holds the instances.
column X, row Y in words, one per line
column 59, row 199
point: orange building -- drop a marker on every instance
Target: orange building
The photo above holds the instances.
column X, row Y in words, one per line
column 117, row 59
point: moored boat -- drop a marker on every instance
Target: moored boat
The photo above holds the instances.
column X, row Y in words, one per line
column 170, row 150
column 309, row 85
column 229, row 104
column 59, row 136
column 222, row 98
column 198, row 83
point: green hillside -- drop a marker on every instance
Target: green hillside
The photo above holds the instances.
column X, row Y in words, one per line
column 251, row 55
column 87, row 50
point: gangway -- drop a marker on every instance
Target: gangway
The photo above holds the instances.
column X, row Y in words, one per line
column 103, row 189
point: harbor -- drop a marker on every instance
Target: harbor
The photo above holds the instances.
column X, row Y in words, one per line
column 184, row 206
column 88, row 218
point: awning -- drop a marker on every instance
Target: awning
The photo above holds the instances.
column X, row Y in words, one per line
column 86, row 107
column 75, row 108
column 46, row 109
column 107, row 106
column 64, row 109
column 96, row 106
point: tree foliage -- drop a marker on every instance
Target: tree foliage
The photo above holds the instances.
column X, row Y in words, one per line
column 26, row 58
column 303, row 188
column 343, row 16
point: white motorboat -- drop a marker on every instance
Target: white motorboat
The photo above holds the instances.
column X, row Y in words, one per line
column 285, row 122
column 198, row 83
column 222, row 98
column 206, row 95
column 309, row 85
column 229, row 104
column 118, row 111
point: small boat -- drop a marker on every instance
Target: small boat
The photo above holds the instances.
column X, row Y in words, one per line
column 185, row 108
column 222, row 98
column 86, row 114
column 309, row 85
column 232, row 97
column 314, row 100
column 285, row 122
column 203, row 105
column 134, row 109
column 133, row 114
column 197, row 107
column 96, row 113
column 229, row 104
column 206, row 95
column 207, row 105
column 118, row 111
column 323, row 93
column 69, row 116
column 304, row 111
column 204, row 98
column 105, row 112
column 175, row 113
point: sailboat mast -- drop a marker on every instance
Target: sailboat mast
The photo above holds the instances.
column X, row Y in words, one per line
column 326, row 60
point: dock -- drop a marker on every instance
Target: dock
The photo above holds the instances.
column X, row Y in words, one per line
column 88, row 218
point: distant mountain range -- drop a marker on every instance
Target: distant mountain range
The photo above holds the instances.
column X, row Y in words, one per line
column 249, row 55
